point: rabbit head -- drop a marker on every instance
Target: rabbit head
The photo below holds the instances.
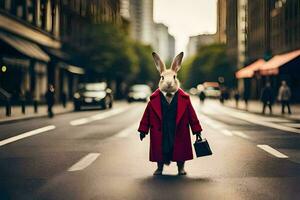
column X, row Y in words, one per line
column 168, row 77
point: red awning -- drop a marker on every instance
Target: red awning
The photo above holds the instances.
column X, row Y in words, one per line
column 272, row 66
column 248, row 71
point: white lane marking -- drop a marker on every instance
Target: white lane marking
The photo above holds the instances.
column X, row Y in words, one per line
column 210, row 122
column 99, row 116
column 227, row 132
column 26, row 134
column 241, row 134
column 84, row 162
column 272, row 151
column 78, row 122
column 127, row 131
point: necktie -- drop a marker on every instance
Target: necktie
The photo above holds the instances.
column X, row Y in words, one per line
column 169, row 97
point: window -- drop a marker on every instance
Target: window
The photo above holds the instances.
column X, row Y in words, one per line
column 30, row 10
column 20, row 11
column 43, row 14
column 6, row 4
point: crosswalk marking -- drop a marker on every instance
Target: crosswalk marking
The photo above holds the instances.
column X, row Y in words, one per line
column 26, row 134
column 84, row 162
column 272, row 151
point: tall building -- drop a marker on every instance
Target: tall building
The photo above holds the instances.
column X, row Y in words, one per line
column 164, row 43
column 141, row 20
column 273, row 36
column 221, row 21
column 284, row 26
column 198, row 41
column 232, row 31
column 125, row 9
column 241, row 32
column 32, row 34
column 273, row 27
column 258, row 45
column 171, row 46
column 27, row 30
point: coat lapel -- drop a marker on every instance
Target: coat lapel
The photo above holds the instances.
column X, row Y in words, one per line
column 181, row 105
column 156, row 104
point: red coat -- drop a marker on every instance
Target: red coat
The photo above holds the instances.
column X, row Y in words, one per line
column 186, row 116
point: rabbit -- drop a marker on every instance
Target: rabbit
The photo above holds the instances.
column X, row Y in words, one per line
column 168, row 82
column 167, row 115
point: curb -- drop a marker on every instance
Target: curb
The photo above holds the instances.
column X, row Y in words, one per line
column 265, row 115
column 8, row 121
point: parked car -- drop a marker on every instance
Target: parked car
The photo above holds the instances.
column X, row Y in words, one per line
column 212, row 90
column 139, row 92
column 93, row 94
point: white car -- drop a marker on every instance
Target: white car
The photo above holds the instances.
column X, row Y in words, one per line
column 212, row 92
column 139, row 92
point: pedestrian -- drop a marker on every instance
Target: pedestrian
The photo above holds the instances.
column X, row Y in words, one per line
column 267, row 97
column 236, row 97
column 168, row 115
column 202, row 96
column 222, row 95
column 50, row 99
column 64, row 99
column 246, row 98
column 284, row 95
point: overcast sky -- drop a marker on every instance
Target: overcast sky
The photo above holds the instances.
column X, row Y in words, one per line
column 186, row 18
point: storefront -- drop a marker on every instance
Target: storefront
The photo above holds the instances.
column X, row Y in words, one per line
column 280, row 67
column 23, row 68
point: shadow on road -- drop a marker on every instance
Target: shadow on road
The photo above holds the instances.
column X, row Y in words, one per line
column 174, row 179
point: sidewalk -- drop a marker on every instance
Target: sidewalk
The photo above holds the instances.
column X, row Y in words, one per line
column 256, row 107
column 16, row 112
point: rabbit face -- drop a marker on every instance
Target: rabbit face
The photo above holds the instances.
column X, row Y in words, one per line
column 168, row 81
column 168, row 77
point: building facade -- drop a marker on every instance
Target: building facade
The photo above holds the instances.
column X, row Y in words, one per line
column 198, row 41
column 26, row 29
column 32, row 34
column 141, row 21
column 164, row 42
column 221, row 21
column 273, row 36
column 258, row 45
column 241, row 32
column 172, row 46
column 284, row 26
column 232, row 31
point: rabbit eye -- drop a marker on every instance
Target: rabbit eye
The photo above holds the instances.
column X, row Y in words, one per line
column 174, row 77
column 162, row 77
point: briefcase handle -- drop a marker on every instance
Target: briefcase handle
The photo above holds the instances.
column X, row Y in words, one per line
column 198, row 138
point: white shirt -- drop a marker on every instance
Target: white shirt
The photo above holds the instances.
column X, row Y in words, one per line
column 169, row 99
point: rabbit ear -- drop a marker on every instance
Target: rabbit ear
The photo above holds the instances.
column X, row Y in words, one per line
column 176, row 64
column 160, row 66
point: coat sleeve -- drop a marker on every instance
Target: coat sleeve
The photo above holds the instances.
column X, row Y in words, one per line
column 193, row 119
column 144, row 123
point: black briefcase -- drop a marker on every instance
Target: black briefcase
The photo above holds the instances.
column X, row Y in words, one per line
column 202, row 147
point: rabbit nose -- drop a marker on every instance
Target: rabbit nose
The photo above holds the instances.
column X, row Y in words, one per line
column 169, row 83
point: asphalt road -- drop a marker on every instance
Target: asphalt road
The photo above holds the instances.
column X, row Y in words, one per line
column 97, row 155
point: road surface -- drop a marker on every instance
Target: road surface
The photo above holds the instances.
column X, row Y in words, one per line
column 98, row 155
